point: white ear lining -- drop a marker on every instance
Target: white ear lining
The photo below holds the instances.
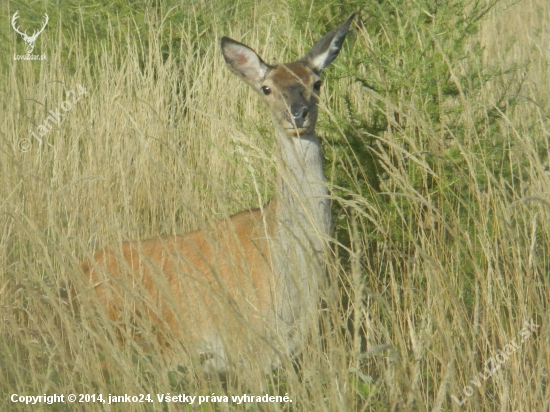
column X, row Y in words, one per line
column 245, row 61
column 319, row 62
column 322, row 60
column 325, row 50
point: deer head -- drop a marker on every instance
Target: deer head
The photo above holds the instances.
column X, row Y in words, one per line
column 290, row 90
column 30, row 40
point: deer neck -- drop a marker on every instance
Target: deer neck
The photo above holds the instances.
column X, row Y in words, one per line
column 301, row 192
column 301, row 211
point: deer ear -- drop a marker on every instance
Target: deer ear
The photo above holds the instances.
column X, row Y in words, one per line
column 326, row 49
column 243, row 60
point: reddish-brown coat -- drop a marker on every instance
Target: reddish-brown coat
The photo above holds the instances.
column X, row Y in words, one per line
column 194, row 278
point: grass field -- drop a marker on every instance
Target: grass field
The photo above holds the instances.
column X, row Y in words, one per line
column 435, row 125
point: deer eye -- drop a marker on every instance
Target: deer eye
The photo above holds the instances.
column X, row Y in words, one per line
column 317, row 85
column 266, row 90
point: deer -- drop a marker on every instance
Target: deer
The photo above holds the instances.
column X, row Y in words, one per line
column 30, row 40
column 247, row 286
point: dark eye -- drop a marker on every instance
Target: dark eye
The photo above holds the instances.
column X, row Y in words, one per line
column 317, row 85
column 266, row 90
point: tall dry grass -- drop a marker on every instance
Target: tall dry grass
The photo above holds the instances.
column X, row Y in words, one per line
column 439, row 259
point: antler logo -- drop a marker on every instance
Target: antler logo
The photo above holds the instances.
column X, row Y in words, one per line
column 30, row 40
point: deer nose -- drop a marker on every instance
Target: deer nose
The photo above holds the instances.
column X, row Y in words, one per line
column 299, row 115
